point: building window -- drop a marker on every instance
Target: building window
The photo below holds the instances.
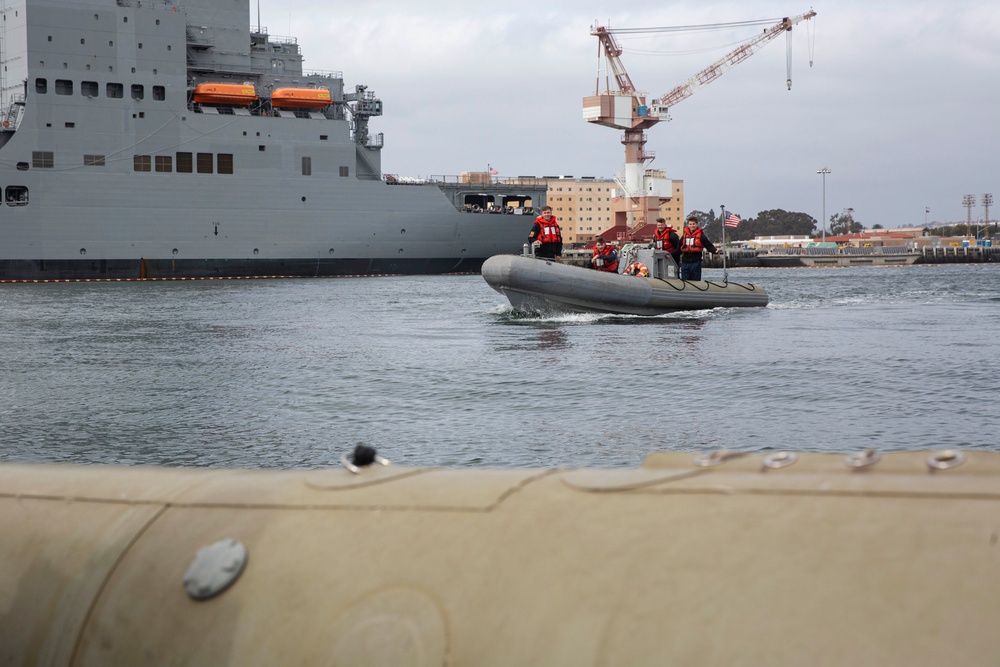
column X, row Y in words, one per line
column 185, row 163
column 42, row 159
column 164, row 164
column 138, row 92
column 225, row 163
column 141, row 163
column 307, row 166
column 64, row 87
column 205, row 163
column 344, row 172
column 115, row 90
column 93, row 160
column 41, row 86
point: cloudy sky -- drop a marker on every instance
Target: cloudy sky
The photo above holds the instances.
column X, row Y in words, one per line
column 901, row 103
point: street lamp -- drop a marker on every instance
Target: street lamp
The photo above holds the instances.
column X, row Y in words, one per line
column 824, row 171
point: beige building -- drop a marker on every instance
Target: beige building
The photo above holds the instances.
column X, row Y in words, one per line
column 583, row 206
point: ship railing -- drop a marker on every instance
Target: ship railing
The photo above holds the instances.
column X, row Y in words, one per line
column 323, row 74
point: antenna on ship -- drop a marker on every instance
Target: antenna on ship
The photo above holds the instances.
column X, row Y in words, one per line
column 258, row 16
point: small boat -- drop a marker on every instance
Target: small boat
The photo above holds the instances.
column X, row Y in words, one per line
column 300, row 98
column 540, row 285
column 240, row 94
column 849, row 256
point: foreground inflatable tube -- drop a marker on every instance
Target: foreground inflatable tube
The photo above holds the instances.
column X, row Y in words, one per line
column 538, row 285
column 753, row 560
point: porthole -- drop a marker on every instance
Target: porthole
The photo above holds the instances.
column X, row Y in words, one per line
column 174, row 251
column 83, row 251
column 331, row 251
column 256, row 251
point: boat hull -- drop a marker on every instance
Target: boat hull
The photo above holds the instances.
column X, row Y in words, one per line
column 870, row 259
column 536, row 285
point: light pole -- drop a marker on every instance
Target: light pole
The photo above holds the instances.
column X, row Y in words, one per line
column 850, row 220
column 824, row 171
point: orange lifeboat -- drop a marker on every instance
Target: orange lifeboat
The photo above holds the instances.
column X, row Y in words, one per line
column 225, row 93
column 301, row 98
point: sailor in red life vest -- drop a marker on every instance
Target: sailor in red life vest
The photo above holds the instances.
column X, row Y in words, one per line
column 665, row 238
column 605, row 257
column 546, row 236
column 693, row 242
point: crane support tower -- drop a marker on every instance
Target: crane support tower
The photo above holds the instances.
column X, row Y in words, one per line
column 641, row 191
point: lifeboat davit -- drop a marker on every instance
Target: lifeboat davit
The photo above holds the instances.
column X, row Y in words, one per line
column 225, row 93
column 301, row 98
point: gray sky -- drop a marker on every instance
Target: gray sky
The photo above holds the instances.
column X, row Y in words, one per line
column 901, row 102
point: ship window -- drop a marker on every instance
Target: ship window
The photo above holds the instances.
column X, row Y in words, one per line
column 184, row 163
column 41, row 86
column 22, row 166
column 141, row 163
column 88, row 88
column 16, row 195
column 164, row 164
column 344, row 172
column 137, row 91
column 115, row 90
column 70, row 125
column 225, row 163
column 64, row 87
column 83, row 41
column 93, row 160
column 322, row 137
column 42, row 159
column 50, row 38
column 159, row 93
column 307, row 166
column 205, row 163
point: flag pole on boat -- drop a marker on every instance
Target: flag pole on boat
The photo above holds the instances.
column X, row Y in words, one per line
column 725, row 273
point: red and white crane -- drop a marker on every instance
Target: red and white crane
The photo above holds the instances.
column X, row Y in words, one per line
column 626, row 109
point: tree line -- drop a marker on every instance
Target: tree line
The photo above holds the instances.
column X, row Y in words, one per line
column 778, row 222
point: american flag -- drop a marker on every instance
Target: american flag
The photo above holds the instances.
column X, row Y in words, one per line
column 733, row 220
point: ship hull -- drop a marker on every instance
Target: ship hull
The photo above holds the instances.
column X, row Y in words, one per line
column 115, row 167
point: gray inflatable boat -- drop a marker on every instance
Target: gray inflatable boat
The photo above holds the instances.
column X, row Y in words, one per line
column 535, row 285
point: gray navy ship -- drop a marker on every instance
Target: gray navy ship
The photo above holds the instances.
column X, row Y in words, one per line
column 152, row 139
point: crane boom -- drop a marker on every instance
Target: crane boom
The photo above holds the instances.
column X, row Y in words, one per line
column 644, row 191
column 734, row 57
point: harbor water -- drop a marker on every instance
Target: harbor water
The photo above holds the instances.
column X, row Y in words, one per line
column 438, row 371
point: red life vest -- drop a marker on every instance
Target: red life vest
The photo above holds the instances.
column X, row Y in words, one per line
column 603, row 264
column 691, row 241
column 549, row 232
column 662, row 241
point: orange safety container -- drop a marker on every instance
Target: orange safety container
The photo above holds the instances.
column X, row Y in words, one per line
column 300, row 98
column 225, row 93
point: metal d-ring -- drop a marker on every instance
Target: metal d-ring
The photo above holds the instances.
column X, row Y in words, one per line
column 943, row 460
column 780, row 460
column 863, row 458
column 715, row 458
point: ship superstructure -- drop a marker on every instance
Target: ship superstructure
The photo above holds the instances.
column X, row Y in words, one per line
column 144, row 138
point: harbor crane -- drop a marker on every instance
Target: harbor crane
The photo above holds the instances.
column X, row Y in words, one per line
column 627, row 109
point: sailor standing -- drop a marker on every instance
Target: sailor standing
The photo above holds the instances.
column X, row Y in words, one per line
column 546, row 236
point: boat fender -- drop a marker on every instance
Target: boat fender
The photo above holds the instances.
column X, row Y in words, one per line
column 637, row 269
